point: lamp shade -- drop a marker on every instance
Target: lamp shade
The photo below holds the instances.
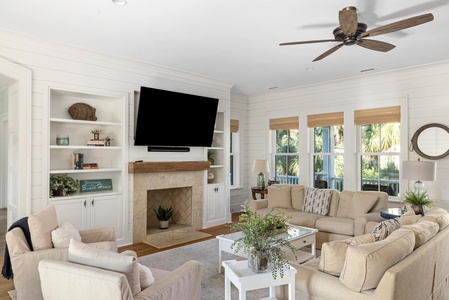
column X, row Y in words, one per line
column 419, row 170
column 260, row 165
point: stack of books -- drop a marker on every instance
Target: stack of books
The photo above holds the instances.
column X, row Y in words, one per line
column 92, row 142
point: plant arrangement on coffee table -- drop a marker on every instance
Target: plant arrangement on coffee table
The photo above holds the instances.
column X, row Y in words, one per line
column 417, row 200
column 62, row 185
column 163, row 214
column 266, row 249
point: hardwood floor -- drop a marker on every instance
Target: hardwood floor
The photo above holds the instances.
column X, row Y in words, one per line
column 141, row 249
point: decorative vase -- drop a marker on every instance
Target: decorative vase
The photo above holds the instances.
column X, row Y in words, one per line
column 96, row 136
column 107, row 143
column 210, row 177
column 418, row 209
column 258, row 261
column 163, row 224
column 58, row 193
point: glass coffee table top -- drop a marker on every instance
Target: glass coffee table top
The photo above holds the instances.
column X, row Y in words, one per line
column 293, row 233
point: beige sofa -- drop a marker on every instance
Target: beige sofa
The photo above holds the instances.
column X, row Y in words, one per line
column 347, row 215
column 410, row 263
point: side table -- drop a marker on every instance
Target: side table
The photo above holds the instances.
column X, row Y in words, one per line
column 255, row 190
column 391, row 213
column 245, row 280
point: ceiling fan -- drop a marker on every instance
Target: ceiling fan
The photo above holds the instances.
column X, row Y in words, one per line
column 352, row 32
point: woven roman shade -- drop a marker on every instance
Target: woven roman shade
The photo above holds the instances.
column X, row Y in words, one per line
column 284, row 123
column 234, row 125
column 323, row 120
column 378, row 115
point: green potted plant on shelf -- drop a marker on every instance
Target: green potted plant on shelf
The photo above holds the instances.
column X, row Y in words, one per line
column 417, row 200
column 96, row 132
column 261, row 241
column 62, row 185
column 163, row 214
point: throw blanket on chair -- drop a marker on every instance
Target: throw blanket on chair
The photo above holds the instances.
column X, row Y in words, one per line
column 22, row 224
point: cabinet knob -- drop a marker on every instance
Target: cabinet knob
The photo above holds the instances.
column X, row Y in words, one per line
column 85, row 203
column 93, row 202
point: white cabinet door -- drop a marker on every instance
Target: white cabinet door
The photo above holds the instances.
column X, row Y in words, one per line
column 215, row 206
column 92, row 212
column 106, row 211
column 74, row 211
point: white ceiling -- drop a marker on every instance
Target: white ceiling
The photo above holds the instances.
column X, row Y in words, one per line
column 237, row 40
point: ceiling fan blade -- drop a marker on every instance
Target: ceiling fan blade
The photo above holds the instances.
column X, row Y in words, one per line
column 399, row 25
column 307, row 42
column 328, row 52
column 348, row 20
column 375, row 45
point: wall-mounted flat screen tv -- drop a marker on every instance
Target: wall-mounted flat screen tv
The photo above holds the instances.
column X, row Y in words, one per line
column 173, row 119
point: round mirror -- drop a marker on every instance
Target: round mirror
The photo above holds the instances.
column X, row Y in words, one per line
column 431, row 141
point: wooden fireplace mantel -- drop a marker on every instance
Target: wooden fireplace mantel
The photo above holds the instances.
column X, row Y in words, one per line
column 172, row 166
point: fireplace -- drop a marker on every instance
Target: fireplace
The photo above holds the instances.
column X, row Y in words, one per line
column 168, row 183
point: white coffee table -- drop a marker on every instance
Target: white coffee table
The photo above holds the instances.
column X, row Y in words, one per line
column 298, row 236
column 245, row 280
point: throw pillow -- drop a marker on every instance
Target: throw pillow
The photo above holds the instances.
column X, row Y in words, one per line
column 317, row 201
column 61, row 236
column 361, row 203
column 41, row 225
column 366, row 264
column 385, row 228
column 279, row 197
column 423, row 231
column 84, row 254
column 333, row 253
column 409, row 218
column 146, row 277
column 298, row 193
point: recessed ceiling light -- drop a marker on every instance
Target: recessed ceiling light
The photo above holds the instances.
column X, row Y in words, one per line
column 367, row 70
column 309, row 69
column 119, row 2
column 273, row 88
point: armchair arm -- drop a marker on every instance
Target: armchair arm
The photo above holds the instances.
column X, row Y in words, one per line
column 182, row 283
column 255, row 205
column 70, row 281
column 360, row 222
column 97, row 235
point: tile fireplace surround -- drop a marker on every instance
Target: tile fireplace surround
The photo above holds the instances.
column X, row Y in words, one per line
column 148, row 176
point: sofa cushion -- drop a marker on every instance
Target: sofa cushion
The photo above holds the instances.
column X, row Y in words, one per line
column 304, row 219
column 279, row 196
column 365, row 264
column 90, row 256
column 333, row 253
column 61, row 236
column 41, row 225
column 298, row 193
column 361, row 203
column 336, row 225
column 317, row 201
column 385, row 228
column 423, row 231
column 333, row 206
column 438, row 215
column 409, row 218
column 343, row 203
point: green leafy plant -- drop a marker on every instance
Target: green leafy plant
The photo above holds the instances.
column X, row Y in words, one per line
column 260, row 234
column 211, row 157
column 164, row 213
column 417, row 198
column 62, row 185
column 96, row 131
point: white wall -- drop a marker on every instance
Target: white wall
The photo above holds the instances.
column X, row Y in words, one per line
column 53, row 63
column 426, row 88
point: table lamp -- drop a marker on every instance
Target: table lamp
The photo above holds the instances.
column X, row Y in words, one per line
column 419, row 170
column 261, row 166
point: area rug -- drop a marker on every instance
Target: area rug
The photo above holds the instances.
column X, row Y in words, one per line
column 212, row 283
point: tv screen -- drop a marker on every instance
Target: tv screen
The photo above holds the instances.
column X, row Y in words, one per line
column 173, row 119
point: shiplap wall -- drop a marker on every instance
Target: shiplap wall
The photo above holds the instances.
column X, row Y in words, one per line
column 54, row 63
column 426, row 88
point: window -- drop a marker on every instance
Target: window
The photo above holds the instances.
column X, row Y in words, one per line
column 328, row 150
column 379, row 149
column 286, row 157
column 234, row 168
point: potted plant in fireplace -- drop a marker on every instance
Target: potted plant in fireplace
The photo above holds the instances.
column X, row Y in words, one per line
column 164, row 214
column 261, row 241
